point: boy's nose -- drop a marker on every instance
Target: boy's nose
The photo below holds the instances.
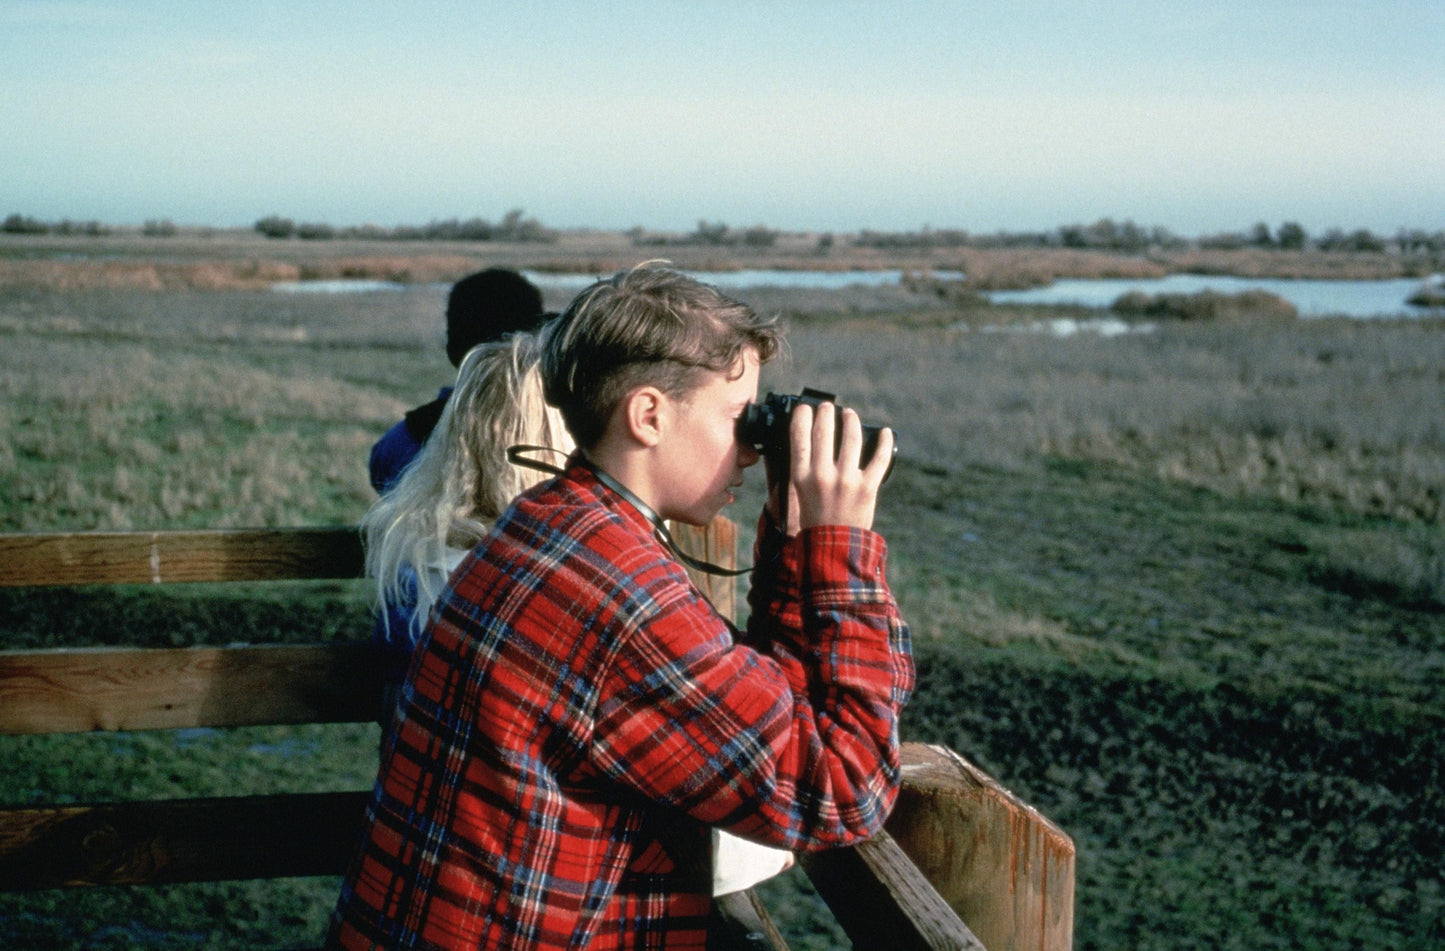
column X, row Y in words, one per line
column 747, row 455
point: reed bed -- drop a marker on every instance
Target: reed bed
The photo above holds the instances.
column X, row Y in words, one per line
column 1335, row 413
column 240, row 259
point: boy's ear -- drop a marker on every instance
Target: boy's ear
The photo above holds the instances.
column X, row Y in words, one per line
column 644, row 410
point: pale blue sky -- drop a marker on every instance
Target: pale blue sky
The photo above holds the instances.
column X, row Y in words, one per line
column 1200, row 117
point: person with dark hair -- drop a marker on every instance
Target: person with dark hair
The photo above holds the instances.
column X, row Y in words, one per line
column 481, row 308
column 577, row 718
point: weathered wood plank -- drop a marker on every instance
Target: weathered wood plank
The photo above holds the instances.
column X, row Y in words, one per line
column 882, row 900
column 991, row 860
column 743, row 924
column 85, row 558
column 716, row 543
column 1007, row 870
column 48, row 559
column 76, row 691
column 185, row 840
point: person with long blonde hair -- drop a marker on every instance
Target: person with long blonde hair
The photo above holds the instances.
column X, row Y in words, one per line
column 448, row 497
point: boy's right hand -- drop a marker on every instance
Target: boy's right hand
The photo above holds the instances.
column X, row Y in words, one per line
column 830, row 491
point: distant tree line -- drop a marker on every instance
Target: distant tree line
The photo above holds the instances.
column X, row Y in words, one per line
column 708, row 233
column 1126, row 236
column 514, row 226
column 1105, row 234
column 25, row 224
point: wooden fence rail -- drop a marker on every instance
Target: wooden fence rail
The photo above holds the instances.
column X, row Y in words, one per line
column 959, row 848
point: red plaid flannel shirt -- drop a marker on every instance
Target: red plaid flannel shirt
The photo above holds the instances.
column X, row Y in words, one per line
column 577, row 715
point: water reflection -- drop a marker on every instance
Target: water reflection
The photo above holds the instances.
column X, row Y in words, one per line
column 341, row 286
column 1069, row 327
column 1312, row 298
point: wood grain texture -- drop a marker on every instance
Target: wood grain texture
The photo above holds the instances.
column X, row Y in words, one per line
column 86, row 558
column 76, row 691
column 882, row 900
column 963, row 864
column 742, row 923
column 717, row 543
column 1005, row 868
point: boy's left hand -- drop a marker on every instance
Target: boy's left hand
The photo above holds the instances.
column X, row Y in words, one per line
column 831, row 490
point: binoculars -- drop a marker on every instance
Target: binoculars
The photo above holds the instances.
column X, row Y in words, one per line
column 764, row 426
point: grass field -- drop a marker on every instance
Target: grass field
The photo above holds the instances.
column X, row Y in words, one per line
column 1184, row 591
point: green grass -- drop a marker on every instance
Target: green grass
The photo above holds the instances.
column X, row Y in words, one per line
column 184, row 763
column 1171, row 578
column 1182, row 592
column 1245, row 752
column 1246, row 757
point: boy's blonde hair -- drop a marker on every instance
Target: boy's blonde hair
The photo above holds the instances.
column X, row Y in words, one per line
column 461, row 480
column 651, row 325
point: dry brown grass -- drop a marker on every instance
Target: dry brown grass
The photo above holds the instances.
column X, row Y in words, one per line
column 111, row 436
column 1312, row 265
column 69, row 276
column 1009, row 269
column 243, row 260
column 211, row 394
column 1338, row 413
column 222, row 275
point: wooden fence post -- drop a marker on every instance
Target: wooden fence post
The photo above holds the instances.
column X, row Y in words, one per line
column 716, row 542
column 1005, row 869
column 883, row 900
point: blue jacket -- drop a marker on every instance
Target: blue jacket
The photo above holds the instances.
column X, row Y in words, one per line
column 402, row 442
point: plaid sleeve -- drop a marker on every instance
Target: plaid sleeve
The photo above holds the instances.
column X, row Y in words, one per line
column 774, row 624
column 801, row 752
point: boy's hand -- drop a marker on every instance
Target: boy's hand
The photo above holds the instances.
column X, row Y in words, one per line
column 832, row 491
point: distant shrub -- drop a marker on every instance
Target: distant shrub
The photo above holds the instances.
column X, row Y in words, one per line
column 714, row 233
column 1429, row 294
column 516, row 226
column 1225, row 241
column 1291, row 236
column 927, row 238
column 368, row 232
column 759, row 236
column 160, row 228
column 1417, row 241
column 90, row 229
column 1205, row 305
column 315, row 231
column 23, row 224
column 1359, row 240
column 451, row 229
column 274, row 226
column 1107, row 234
column 642, row 238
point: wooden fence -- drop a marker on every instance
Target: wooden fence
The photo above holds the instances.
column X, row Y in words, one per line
column 963, row 863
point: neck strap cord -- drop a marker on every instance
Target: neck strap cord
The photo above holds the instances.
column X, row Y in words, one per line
column 517, row 456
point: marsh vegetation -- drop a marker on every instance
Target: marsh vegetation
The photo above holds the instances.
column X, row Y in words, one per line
column 1184, row 591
